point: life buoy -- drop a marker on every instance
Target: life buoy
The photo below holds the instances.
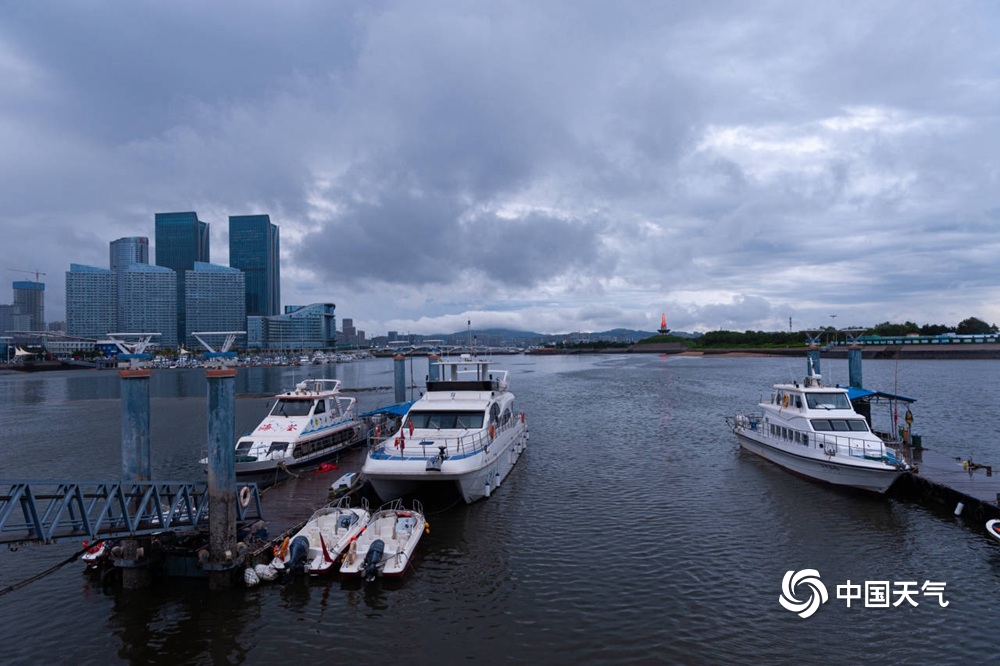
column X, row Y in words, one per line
column 522, row 417
column 830, row 448
column 493, row 431
column 245, row 496
column 784, row 401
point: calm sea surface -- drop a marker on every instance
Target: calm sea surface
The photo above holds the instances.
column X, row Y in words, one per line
column 634, row 530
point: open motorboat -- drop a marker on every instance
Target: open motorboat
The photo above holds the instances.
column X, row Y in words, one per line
column 993, row 528
column 814, row 431
column 463, row 432
column 305, row 426
column 386, row 546
column 317, row 547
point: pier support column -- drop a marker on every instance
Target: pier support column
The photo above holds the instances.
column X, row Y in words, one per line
column 433, row 369
column 221, row 476
column 135, row 424
column 136, row 464
column 399, row 369
column 854, row 367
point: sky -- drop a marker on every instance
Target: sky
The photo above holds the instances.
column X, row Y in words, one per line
column 559, row 166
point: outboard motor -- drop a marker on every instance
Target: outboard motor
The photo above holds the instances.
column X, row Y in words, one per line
column 297, row 553
column 372, row 558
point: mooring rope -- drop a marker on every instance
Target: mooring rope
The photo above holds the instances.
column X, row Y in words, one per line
column 38, row 576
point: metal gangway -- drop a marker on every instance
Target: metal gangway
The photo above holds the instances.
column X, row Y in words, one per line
column 41, row 511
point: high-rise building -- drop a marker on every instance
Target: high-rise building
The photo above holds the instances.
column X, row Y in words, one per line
column 301, row 327
column 147, row 302
column 254, row 249
column 29, row 299
column 181, row 240
column 91, row 301
column 215, row 300
column 128, row 251
column 350, row 336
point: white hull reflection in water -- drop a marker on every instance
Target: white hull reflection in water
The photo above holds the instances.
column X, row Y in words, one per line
column 603, row 547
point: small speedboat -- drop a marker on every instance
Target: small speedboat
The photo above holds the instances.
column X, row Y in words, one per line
column 96, row 555
column 344, row 485
column 387, row 544
column 316, row 548
column 993, row 528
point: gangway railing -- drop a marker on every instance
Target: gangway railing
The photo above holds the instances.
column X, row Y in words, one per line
column 42, row 511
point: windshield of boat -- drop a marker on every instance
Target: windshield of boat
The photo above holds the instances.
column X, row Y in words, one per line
column 446, row 419
column 839, row 425
column 827, row 401
column 292, row 408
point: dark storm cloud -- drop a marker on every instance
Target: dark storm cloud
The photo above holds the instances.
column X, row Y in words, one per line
column 556, row 165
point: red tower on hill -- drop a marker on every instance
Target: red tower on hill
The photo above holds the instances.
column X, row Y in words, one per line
column 663, row 324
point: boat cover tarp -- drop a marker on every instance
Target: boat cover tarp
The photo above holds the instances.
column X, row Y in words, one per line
column 867, row 394
column 397, row 409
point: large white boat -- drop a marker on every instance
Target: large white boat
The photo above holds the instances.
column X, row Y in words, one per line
column 463, row 432
column 813, row 431
column 306, row 425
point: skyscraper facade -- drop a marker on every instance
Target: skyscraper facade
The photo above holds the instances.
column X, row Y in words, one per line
column 128, row 251
column 215, row 300
column 181, row 240
column 29, row 299
column 147, row 302
column 91, row 301
column 254, row 249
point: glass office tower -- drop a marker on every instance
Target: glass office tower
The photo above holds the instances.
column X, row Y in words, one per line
column 181, row 240
column 254, row 248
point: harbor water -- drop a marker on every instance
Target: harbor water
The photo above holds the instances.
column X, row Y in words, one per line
column 633, row 530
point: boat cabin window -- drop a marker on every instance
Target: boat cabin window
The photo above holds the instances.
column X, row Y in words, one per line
column 292, row 408
column 278, row 447
column 320, row 407
column 840, row 425
column 827, row 401
column 448, row 420
column 243, row 446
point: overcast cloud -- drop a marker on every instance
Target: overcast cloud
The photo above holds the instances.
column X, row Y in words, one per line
column 548, row 166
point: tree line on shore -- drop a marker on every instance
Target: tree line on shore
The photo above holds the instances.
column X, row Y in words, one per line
column 763, row 339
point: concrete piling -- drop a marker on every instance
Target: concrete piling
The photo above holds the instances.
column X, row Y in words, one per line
column 221, row 476
column 136, row 465
column 399, row 370
column 433, row 369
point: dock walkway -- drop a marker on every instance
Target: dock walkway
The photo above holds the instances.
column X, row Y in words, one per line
column 947, row 480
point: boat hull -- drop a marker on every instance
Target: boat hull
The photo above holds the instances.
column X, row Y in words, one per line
column 868, row 478
column 285, row 467
column 474, row 477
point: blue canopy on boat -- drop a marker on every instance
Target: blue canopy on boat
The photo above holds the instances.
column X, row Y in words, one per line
column 397, row 409
column 863, row 393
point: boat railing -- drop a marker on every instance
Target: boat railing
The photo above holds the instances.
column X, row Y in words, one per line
column 460, row 445
column 855, row 447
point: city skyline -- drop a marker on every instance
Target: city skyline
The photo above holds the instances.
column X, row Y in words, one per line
column 550, row 167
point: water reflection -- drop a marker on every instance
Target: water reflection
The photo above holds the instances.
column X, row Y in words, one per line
column 172, row 626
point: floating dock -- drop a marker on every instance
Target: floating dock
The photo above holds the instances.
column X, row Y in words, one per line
column 970, row 489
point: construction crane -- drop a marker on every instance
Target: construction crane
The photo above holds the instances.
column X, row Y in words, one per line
column 35, row 272
column 37, row 302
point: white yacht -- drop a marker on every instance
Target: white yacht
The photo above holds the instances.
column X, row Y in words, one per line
column 305, row 426
column 463, row 432
column 813, row 431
